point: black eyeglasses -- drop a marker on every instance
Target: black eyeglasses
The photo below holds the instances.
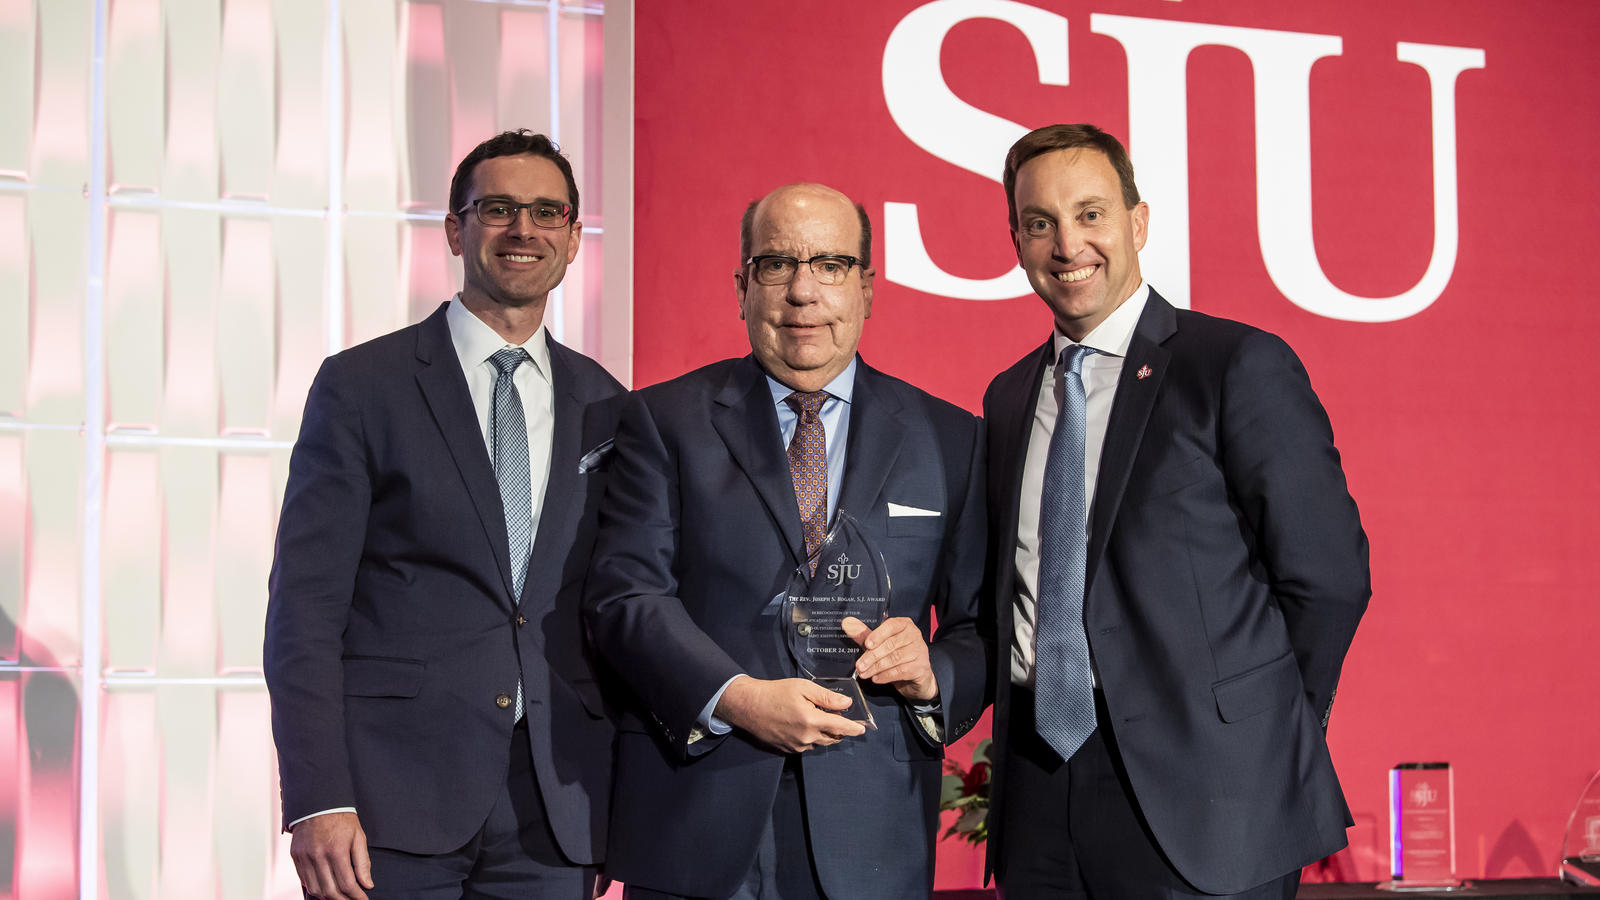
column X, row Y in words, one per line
column 828, row 268
column 499, row 212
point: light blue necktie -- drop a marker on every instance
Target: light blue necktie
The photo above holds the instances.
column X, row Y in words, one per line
column 1063, row 685
column 508, row 435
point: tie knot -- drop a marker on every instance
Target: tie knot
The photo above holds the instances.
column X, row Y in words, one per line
column 807, row 403
column 1072, row 357
column 508, row 359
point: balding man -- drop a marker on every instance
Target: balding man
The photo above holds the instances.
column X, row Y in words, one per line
column 735, row 777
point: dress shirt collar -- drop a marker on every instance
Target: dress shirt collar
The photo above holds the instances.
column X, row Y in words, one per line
column 475, row 341
column 1112, row 336
column 843, row 385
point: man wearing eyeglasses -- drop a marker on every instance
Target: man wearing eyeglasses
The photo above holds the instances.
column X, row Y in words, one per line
column 735, row 777
column 439, row 728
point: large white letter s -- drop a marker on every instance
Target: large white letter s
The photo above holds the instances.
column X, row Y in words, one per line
column 934, row 118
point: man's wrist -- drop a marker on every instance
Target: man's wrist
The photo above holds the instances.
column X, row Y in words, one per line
column 732, row 699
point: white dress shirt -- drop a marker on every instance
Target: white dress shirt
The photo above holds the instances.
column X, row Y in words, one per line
column 1100, row 371
column 475, row 343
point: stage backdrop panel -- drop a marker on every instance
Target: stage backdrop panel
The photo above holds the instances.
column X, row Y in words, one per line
column 1402, row 191
column 198, row 203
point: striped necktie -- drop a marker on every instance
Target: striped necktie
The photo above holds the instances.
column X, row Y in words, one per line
column 508, row 436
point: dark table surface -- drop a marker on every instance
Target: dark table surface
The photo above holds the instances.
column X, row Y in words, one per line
column 1477, row 889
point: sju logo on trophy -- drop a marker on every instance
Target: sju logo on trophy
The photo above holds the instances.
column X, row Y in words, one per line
column 842, row 570
column 1424, row 794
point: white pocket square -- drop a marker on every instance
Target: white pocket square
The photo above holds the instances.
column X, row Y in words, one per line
column 896, row 510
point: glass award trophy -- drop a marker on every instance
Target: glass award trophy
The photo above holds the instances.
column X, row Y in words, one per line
column 1580, row 851
column 1422, row 843
column 850, row 580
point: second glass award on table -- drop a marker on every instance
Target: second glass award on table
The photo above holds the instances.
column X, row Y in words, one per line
column 849, row 579
column 1580, row 850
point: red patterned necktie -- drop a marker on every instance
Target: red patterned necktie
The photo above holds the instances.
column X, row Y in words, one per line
column 808, row 466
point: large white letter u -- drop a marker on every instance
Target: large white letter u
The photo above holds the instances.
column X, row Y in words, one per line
column 1158, row 50
column 1283, row 193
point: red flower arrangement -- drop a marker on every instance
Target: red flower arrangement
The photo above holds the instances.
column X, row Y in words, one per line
column 966, row 791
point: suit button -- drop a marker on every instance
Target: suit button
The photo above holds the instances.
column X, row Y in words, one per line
column 522, row 620
column 502, row 701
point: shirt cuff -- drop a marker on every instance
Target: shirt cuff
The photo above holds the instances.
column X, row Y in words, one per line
column 928, row 715
column 708, row 722
column 291, row 825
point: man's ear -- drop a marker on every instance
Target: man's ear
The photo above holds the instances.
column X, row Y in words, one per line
column 452, row 233
column 573, row 240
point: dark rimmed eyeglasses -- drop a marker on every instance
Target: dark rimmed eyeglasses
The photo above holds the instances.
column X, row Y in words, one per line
column 499, row 212
column 827, row 268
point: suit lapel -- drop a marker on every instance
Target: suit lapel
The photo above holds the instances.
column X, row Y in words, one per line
column 743, row 415
column 876, row 432
column 1010, row 425
column 1018, row 397
column 1143, row 371
column 445, row 390
column 558, row 515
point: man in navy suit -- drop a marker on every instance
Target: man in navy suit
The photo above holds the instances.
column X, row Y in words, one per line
column 1180, row 570
column 439, row 727
column 734, row 777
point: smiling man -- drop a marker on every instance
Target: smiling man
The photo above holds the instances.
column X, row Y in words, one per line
column 1179, row 571
column 439, row 727
column 734, row 776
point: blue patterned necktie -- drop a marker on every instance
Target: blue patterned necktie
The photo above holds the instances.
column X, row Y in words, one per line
column 508, row 436
column 808, row 467
column 1063, row 685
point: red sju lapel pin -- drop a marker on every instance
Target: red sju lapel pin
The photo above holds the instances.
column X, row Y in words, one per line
column 1143, row 373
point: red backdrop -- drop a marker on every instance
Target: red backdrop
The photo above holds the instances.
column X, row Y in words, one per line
column 1463, row 404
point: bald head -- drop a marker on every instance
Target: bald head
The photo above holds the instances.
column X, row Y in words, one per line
column 804, row 320
column 747, row 224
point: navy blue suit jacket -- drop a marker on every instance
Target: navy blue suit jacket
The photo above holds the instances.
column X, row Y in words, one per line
column 699, row 532
column 391, row 627
column 1227, row 570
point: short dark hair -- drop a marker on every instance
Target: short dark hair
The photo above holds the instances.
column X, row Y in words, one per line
column 1068, row 137
column 747, row 227
column 510, row 143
